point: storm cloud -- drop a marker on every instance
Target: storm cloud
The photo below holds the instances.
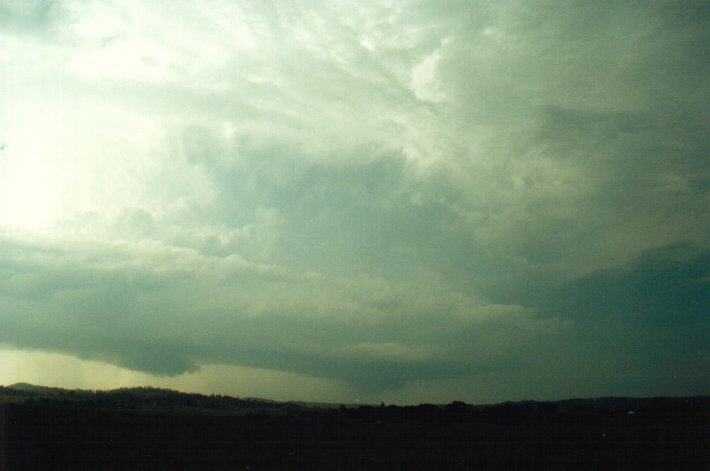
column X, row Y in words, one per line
column 475, row 200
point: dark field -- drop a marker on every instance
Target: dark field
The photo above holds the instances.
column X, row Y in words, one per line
column 612, row 433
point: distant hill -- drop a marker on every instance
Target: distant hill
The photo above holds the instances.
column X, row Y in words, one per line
column 33, row 388
column 143, row 399
column 147, row 398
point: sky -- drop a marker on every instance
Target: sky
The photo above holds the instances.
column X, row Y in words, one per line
column 399, row 201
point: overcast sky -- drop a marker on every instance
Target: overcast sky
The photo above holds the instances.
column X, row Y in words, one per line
column 406, row 201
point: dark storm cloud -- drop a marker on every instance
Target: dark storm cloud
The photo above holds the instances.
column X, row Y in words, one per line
column 658, row 289
column 648, row 318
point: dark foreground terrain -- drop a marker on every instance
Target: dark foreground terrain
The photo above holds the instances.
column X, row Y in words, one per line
column 140, row 429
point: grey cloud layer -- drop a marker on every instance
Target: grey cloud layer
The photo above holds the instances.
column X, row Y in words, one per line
column 164, row 310
column 409, row 191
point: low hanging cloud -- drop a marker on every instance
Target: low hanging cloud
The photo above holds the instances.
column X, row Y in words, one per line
column 165, row 310
column 406, row 193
